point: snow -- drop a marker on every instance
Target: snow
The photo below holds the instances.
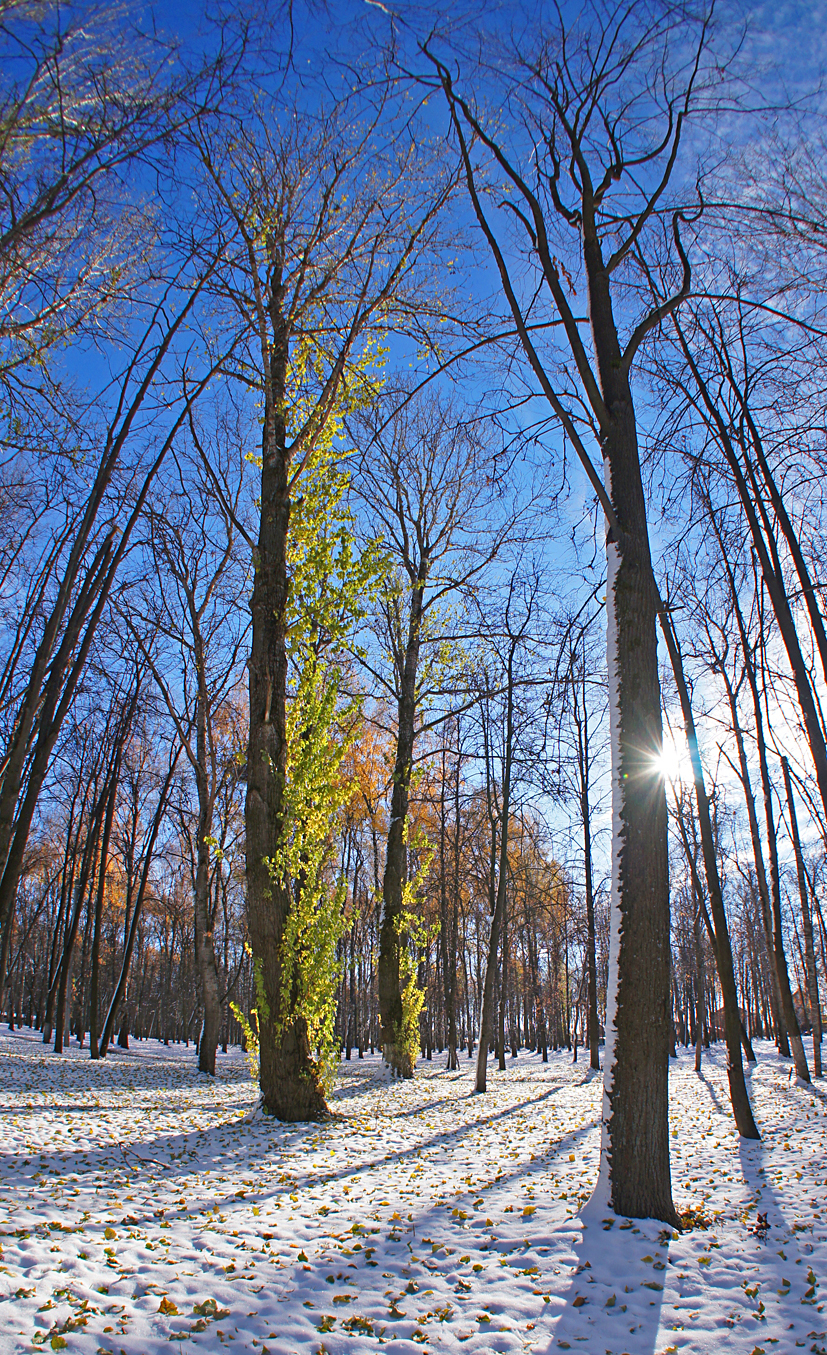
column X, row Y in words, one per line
column 141, row 1208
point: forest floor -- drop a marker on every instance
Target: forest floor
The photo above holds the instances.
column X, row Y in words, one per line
column 141, row 1207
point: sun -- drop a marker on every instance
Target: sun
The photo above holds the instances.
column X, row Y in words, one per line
column 670, row 761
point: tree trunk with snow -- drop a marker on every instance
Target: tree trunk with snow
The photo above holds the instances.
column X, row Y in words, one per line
column 635, row 1146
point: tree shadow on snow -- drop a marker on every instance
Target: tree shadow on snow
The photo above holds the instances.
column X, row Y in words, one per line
column 614, row 1301
column 779, row 1237
column 716, row 1101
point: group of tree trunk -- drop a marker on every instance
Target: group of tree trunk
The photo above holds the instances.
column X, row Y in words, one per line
column 303, row 708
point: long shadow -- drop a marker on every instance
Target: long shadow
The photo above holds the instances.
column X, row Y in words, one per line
column 91, row 1159
column 392, row 1257
column 615, row 1300
column 211, row 1152
column 785, row 1314
column 357, row 1087
column 596, row 1312
column 406, row 1112
column 219, row 1146
column 124, row 1083
column 78, row 1108
column 786, row 1090
column 359, row 1081
column 722, row 1109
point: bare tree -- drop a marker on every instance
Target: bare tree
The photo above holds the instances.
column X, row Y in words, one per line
column 191, row 636
column 721, row 391
column 425, row 479
column 596, row 111
column 508, row 713
column 742, row 1110
column 88, row 102
column 74, row 589
column 77, row 238
column 577, row 718
column 810, row 967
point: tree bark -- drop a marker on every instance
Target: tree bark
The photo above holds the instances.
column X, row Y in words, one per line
column 391, row 935
column 498, row 913
column 583, row 754
column 760, row 869
column 635, row 1175
column 635, row 1150
column 811, row 970
column 204, row 943
column 741, row 1108
column 700, row 994
column 290, row 1081
column 131, row 936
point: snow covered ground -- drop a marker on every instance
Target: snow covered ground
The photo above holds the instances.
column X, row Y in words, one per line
column 139, row 1209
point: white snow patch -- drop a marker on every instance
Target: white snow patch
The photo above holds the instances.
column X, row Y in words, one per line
column 140, row 1207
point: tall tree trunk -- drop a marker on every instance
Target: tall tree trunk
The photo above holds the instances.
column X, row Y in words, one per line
column 290, row 1080
column 766, row 549
column 787, row 1004
column 205, row 774
column 635, row 1174
column 700, row 993
column 94, row 981
column 635, row 1141
column 90, row 852
column 504, row 976
column 391, row 934
column 758, row 857
column 810, row 968
column 204, row 945
column 61, row 1014
column 741, row 1108
column 498, row 912
column 5, row 949
column 449, row 912
column 788, row 1024
column 132, row 933
column 583, row 754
